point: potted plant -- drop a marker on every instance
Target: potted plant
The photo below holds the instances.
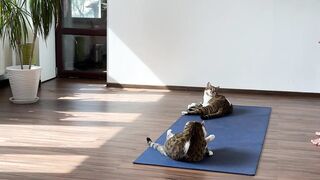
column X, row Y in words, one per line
column 16, row 19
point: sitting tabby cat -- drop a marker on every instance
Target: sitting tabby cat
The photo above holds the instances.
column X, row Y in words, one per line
column 213, row 105
column 189, row 145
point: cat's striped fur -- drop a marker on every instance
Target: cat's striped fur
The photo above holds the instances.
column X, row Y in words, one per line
column 189, row 145
column 213, row 105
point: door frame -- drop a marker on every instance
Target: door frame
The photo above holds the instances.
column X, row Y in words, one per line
column 60, row 31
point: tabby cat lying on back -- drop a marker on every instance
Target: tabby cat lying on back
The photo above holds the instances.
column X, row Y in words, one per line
column 189, row 145
column 213, row 105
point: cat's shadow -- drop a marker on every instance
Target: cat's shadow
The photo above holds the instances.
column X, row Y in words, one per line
column 228, row 156
column 236, row 112
column 239, row 111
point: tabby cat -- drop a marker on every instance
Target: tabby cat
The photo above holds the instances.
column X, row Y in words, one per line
column 213, row 105
column 189, row 145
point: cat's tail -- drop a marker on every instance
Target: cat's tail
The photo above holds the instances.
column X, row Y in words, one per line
column 149, row 141
column 156, row 146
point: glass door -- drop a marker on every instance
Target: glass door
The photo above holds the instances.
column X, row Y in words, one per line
column 81, row 39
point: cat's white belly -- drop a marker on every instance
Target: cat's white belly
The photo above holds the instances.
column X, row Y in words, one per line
column 205, row 104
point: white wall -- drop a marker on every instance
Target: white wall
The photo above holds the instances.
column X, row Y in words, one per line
column 47, row 56
column 2, row 58
column 5, row 56
column 243, row 44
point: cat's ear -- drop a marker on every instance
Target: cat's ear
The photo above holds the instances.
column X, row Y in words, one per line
column 209, row 85
column 202, row 123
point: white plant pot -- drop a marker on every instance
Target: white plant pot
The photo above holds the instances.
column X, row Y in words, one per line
column 24, row 83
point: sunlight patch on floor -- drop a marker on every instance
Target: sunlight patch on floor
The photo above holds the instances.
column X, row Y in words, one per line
column 99, row 116
column 145, row 90
column 40, row 163
column 93, row 89
column 56, row 136
column 96, row 85
column 114, row 97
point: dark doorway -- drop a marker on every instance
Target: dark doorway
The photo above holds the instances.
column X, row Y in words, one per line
column 81, row 39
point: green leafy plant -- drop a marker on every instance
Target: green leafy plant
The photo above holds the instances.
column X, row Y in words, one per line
column 14, row 21
column 14, row 24
column 43, row 14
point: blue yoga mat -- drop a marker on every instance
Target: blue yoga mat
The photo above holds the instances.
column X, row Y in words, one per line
column 237, row 146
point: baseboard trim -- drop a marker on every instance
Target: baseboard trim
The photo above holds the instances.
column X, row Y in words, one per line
column 222, row 90
column 49, row 80
column 180, row 88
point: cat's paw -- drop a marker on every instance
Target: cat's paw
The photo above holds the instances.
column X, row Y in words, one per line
column 192, row 105
column 316, row 142
column 210, row 153
column 211, row 137
column 169, row 132
column 184, row 112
